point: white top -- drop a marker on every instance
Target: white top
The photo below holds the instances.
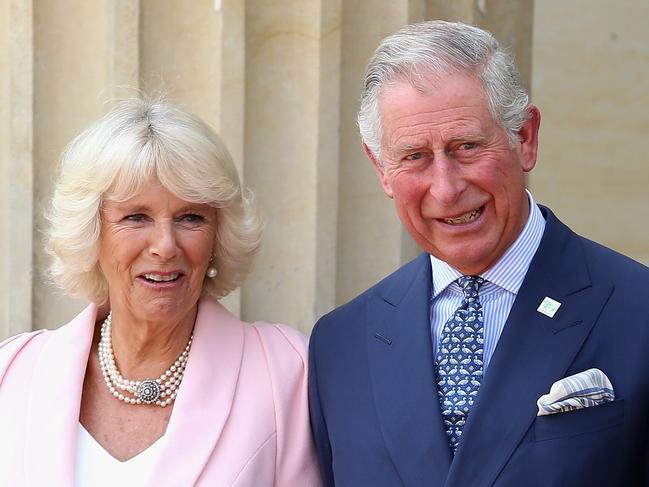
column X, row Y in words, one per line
column 95, row 467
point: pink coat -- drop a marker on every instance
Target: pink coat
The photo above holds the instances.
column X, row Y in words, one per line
column 240, row 418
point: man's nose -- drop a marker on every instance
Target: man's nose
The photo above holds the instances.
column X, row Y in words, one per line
column 446, row 181
column 163, row 242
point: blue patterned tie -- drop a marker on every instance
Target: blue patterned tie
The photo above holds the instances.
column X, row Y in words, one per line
column 459, row 360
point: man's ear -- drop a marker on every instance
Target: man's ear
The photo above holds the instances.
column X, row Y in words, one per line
column 387, row 189
column 529, row 139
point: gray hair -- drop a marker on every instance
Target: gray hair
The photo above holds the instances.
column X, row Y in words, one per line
column 114, row 159
column 440, row 48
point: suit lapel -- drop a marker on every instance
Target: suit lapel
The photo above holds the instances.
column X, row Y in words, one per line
column 54, row 401
column 401, row 369
column 205, row 396
column 533, row 352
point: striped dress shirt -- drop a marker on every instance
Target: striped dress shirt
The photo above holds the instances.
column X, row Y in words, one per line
column 497, row 294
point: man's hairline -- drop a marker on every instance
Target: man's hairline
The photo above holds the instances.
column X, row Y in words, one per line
column 401, row 78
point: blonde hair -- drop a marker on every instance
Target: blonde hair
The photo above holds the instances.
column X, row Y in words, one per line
column 114, row 158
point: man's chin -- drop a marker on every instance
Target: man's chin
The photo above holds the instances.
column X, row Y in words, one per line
column 468, row 259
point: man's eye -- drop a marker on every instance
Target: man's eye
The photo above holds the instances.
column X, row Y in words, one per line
column 468, row 146
column 415, row 156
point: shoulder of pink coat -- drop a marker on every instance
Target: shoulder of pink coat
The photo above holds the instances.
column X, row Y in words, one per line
column 281, row 341
column 13, row 347
column 25, row 347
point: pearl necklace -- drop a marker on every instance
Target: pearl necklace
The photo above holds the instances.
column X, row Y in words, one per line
column 161, row 391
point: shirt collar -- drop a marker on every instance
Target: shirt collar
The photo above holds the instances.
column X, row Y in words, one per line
column 509, row 272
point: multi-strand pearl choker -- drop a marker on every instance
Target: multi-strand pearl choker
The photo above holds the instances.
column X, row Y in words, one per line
column 161, row 391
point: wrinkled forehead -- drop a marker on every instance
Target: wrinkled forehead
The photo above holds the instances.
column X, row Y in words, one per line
column 435, row 95
column 432, row 94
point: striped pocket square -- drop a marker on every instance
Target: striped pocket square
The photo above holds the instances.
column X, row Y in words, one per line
column 588, row 388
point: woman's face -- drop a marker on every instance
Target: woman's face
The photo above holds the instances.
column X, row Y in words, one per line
column 154, row 252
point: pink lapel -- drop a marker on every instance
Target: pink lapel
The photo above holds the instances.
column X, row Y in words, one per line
column 204, row 398
column 54, row 401
column 200, row 412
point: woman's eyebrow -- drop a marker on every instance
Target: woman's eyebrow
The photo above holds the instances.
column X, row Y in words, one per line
column 134, row 208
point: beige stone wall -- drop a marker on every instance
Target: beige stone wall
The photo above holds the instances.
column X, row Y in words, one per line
column 591, row 81
column 280, row 80
column 16, row 166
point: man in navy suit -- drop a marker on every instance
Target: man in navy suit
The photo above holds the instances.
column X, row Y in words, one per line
column 432, row 377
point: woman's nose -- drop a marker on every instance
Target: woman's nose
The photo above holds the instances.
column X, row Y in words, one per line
column 163, row 243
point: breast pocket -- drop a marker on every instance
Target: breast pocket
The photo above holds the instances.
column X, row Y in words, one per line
column 582, row 447
column 579, row 422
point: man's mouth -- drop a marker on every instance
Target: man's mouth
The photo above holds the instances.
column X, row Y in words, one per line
column 161, row 277
column 468, row 217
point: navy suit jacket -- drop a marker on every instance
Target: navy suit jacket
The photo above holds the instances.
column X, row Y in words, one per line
column 374, row 410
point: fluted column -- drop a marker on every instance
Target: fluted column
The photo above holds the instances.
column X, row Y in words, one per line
column 16, row 166
column 123, row 48
column 291, row 155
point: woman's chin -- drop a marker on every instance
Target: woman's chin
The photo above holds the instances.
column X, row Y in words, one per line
column 163, row 309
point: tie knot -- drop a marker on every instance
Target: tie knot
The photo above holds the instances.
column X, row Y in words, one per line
column 470, row 285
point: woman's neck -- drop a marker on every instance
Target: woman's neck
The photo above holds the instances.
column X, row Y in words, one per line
column 147, row 348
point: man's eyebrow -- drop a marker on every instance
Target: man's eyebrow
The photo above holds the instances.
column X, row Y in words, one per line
column 406, row 147
column 467, row 137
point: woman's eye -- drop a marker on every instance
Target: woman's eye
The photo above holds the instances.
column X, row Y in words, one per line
column 468, row 146
column 192, row 218
column 137, row 217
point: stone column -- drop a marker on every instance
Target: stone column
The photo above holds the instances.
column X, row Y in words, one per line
column 16, row 166
column 291, row 155
column 123, row 48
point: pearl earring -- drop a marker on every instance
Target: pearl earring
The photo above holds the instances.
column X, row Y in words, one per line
column 211, row 270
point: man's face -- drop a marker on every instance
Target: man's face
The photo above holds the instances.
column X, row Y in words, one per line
column 457, row 183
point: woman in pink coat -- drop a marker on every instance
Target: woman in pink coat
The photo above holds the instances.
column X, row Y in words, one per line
column 154, row 383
